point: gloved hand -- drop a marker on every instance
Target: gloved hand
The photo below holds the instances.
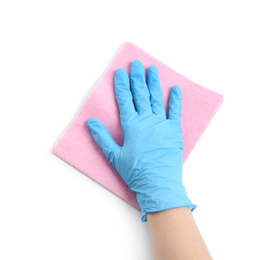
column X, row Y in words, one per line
column 150, row 160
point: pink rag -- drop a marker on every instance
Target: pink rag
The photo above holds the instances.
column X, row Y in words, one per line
column 77, row 146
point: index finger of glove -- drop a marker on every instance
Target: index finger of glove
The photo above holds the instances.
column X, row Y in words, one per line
column 123, row 94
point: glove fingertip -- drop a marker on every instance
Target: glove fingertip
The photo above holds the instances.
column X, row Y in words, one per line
column 91, row 121
column 176, row 89
column 92, row 124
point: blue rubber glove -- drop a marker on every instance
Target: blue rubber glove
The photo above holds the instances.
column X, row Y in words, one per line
column 150, row 160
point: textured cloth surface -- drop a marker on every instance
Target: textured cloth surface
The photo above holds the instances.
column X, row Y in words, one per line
column 77, row 146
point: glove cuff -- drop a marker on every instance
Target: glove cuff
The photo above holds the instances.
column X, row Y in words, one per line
column 163, row 199
column 144, row 212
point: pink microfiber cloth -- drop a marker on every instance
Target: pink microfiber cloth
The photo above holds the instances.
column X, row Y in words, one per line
column 77, row 146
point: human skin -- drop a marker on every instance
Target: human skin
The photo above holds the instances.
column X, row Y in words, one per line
column 175, row 235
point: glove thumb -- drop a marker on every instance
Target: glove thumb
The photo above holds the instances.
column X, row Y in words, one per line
column 103, row 138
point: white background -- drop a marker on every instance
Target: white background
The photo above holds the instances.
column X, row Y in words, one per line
column 52, row 53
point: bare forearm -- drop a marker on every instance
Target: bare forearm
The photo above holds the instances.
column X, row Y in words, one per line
column 175, row 235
